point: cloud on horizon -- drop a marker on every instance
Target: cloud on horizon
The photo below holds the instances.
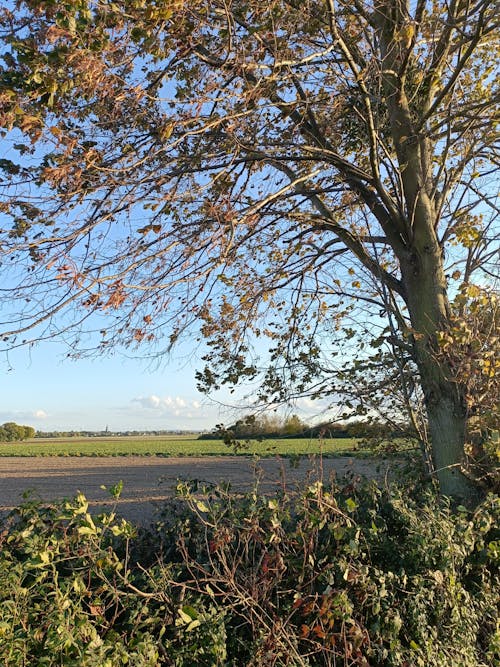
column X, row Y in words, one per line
column 183, row 410
column 317, row 410
column 171, row 406
column 23, row 416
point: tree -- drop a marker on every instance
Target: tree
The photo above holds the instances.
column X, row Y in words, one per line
column 29, row 432
column 12, row 432
column 265, row 169
column 256, row 426
column 294, row 425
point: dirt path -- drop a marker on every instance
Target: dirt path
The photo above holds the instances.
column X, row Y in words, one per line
column 147, row 481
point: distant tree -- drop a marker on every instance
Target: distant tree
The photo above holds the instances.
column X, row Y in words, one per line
column 29, row 432
column 12, row 432
column 260, row 426
column 253, row 426
column 267, row 169
column 247, row 427
column 293, row 425
column 270, row 424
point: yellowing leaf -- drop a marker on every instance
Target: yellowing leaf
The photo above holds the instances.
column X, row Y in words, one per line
column 44, row 557
column 202, row 507
column 193, row 625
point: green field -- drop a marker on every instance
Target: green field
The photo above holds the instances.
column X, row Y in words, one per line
column 172, row 446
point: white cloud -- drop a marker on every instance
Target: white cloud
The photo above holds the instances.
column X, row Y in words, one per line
column 170, row 406
column 317, row 410
column 23, row 416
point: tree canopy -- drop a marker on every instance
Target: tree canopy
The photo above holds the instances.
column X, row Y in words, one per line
column 11, row 432
column 271, row 171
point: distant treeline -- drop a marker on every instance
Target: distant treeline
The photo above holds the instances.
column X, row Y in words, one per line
column 107, row 434
column 254, row 427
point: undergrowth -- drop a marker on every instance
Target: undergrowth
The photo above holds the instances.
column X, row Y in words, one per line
column 350, row 576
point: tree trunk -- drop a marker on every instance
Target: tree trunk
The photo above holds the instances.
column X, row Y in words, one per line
column 447, row 423
column 421, row 259
column 447, row 427
column 445, row 405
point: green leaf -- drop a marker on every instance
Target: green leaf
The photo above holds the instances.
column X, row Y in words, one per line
column 188, row 618
column 116, row 489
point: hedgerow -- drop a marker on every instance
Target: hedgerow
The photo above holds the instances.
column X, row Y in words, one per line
column 325, row 575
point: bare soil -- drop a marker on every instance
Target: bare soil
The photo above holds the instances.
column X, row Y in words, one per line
column 149, row 481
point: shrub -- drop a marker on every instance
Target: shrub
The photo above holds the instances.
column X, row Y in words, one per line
column 347, row 576
column 327, row 576
column 66, row 596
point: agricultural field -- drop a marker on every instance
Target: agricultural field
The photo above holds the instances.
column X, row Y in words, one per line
column 174, row 446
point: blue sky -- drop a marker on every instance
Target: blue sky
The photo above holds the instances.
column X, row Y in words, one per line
column 43, row 389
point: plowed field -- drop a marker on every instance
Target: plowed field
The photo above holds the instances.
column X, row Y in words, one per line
column 149, row 481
